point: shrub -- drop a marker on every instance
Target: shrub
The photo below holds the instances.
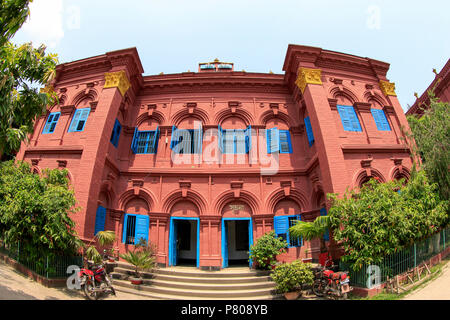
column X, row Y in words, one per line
column 291, row 276
column 264, row 252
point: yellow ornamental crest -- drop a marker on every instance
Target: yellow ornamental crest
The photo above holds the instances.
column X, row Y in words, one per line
column 117, row 79
column 388, row 88
column 308, row 76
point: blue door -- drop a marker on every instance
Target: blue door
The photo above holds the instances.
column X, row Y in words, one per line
column 142, row 225
column 225, row 239
column 173, row 236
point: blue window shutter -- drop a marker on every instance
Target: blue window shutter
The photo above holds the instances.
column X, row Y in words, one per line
column 349, row 118
column 100, row 219
column 273, row 140
column 79, row 120
column 354, row 119
column 309, row 131
column 281, row 225
column 124, row 231
column 326, row 236
column 75, row 119
column 134, row 141
column 248, row 139
column 200, row 140
column 156, row 140
column 380, row 120
column 174, row 138
column 52, row 120
column 116, row 133
column 83, row 118
column 285, row 144
column 141, row 231
column 220, row 138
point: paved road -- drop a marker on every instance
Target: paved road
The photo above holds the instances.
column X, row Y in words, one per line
column 438, row 289
column 15, row 286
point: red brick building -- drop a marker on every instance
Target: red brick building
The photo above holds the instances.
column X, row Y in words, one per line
column 204, row 163
column 441, row 88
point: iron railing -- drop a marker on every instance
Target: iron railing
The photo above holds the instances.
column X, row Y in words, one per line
column 399, row 262
column 50, row 267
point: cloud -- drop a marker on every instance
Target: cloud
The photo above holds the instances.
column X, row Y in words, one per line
column 45, row 24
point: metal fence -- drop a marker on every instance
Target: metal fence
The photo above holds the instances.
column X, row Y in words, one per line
column 50, row 267
column 399, row 262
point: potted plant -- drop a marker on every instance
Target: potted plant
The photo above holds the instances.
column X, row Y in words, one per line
column 290, row 277
column 142, row 258
column 104, row 238
column 308, row 257
column 264, row 252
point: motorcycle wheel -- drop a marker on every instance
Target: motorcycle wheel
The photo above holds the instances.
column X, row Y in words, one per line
column 92, row 295
column 317, row 288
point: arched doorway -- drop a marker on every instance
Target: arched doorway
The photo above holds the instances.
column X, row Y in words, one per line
column 237, row 234
column 184, row 235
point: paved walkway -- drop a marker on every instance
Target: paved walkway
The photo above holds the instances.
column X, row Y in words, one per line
column 15, row 286
column 438, row 289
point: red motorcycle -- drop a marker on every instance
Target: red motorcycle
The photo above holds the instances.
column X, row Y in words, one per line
column 94, row 280
column 329, row 282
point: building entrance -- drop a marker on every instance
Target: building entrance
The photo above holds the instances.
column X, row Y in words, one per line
column 237, row 237
column 184, row 241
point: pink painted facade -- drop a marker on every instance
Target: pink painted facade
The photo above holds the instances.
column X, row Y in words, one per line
column 253, row 185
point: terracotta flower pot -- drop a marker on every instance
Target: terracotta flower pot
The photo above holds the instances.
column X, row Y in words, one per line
column 292, row 295
column 136, row 281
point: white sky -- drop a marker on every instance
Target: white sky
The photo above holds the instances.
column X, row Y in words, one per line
column 175, row 35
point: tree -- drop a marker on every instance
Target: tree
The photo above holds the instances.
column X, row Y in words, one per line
column 431, row 134
column 35, row 211
column 22, row 70
column 384, row 217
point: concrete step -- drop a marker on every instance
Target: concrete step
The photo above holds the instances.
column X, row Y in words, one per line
column 157, row 296
column 188, row 294
column 208, row 286
column 189, row 272
column 122, row 273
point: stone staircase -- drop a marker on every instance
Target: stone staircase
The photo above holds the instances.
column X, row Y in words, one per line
column 189, row 283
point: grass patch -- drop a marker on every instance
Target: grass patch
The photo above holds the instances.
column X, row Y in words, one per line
column 436, row 271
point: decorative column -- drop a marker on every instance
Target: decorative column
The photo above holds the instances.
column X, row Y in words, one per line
column 116, row 216
column 210, row 242
column 97, row 135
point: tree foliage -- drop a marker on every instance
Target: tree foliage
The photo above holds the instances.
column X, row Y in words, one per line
column 378, row 220
column 23, row 70
column 34, row 210
column 431, row 134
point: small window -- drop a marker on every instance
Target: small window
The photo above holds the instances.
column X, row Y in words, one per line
column 186, row 141
column 285, row 141
column 278, row 141
column 380, row 120
column 235, row 141
column 309, row 131
column 52, row 120
column 135, row 228
column 79, row 120
column 116, row 133
column 145, row 142
column 349, row 118
column 293, row 241
column 281, row 227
